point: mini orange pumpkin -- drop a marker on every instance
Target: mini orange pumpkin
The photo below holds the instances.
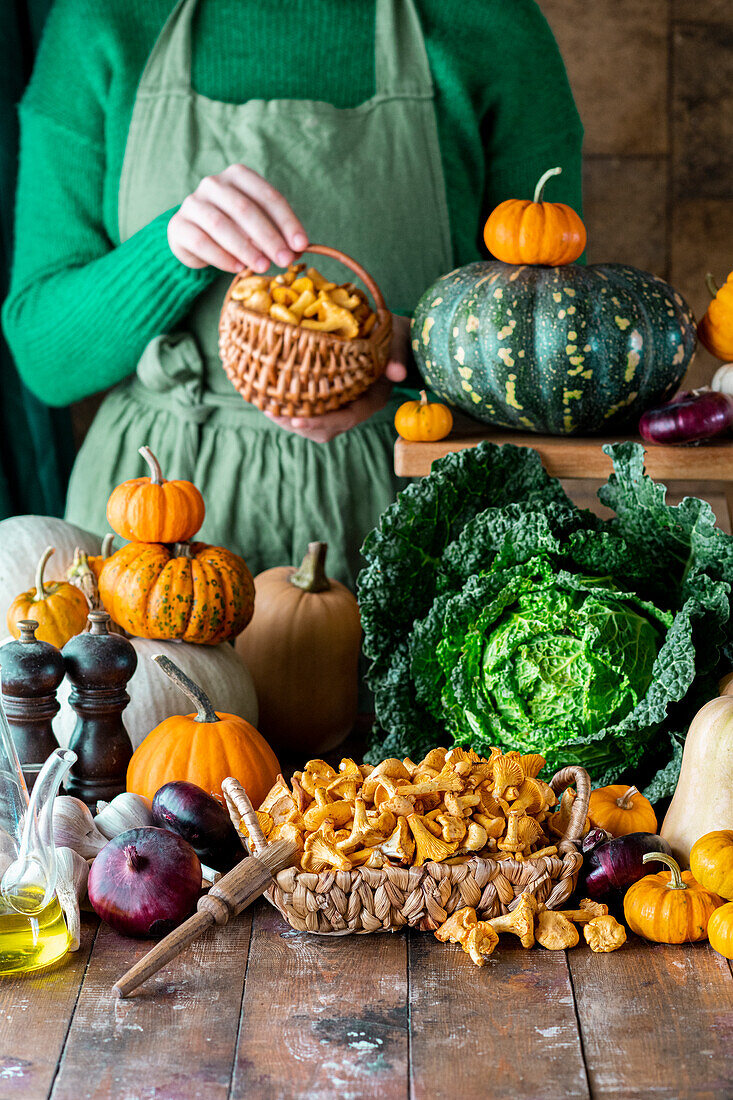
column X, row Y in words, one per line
column 422, row 421
column 151, row 509
column 669, row 907
column 192, row 591
column 711, row 862
column 537, row 232
column 58, row 607
column 621, row 810
column 202, row 748
column 720, row 930
column 715, row 327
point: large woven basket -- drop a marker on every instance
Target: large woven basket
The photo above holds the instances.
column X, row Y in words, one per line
column 291, row 371
column 369, row 900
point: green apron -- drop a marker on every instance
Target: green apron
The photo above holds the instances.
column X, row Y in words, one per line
column 367, row 180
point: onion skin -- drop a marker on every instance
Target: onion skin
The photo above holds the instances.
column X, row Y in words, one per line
column 593, row 838
column 145, row 882
column 188, row 810
column 688, row 418
column 611, row 867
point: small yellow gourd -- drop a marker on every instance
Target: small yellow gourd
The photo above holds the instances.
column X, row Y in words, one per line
column 423, row 421
column 711, row 862
column 720, row 930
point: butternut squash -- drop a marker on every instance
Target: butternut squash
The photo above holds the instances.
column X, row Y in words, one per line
column 703, row 800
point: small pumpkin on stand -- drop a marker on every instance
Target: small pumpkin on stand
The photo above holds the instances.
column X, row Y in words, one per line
column 522, row 232
column 422, row 421
column 191, row 591
column 151, row 509
column 202, row 748
column 302, row 649
column 58, row 607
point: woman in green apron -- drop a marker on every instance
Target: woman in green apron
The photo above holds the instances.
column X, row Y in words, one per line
column 456, row 117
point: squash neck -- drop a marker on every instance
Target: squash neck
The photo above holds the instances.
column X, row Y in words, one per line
column 204, row 709
column 311, row 577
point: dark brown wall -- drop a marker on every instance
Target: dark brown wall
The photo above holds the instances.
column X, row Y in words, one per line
column 653, row 80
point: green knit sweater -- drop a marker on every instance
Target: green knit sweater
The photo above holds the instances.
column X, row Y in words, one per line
column 82, row 306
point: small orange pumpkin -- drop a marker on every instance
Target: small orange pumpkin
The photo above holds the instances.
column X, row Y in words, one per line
column 537, row 232
column 151, row 509
column 58, row 607
column 202, row 748
column 670, row 907
column 192, row 591
column 715, row 327
column 621, row 810
column 720, row 930
column 711, row 862
column 422, row 421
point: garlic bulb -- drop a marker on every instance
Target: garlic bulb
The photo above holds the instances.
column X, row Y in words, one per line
column 126, row 811
column 73, row 827
column 72, row 872
column 723, row 379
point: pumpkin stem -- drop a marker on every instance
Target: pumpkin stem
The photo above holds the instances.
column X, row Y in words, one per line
column 41, row 593
column 676, row 882
column 204, row 710
column 423, row 397
column 156, row 474
column 540, row 188
column 182, row 550
column 711, row 284
column 311, row 577
column 107, row 541
column 625, row 802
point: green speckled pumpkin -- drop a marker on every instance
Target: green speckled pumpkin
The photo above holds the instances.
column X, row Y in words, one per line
column 562, row 350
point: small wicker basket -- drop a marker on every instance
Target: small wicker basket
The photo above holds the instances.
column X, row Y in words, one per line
column 291, row 371
column 367, row 899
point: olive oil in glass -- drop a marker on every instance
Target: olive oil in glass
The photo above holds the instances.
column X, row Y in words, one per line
column 30, row 942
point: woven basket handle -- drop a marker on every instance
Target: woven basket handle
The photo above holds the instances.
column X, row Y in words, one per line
column 240, row 808
column 578, row 778
column 358, row 270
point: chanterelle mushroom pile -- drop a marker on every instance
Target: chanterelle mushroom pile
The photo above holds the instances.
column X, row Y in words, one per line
column 449, row 807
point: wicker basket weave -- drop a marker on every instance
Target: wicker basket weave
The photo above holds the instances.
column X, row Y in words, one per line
column 367, row 899
column 287, row 370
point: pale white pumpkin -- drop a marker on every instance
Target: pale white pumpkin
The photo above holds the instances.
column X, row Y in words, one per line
column 22, row 541
column 219, row 670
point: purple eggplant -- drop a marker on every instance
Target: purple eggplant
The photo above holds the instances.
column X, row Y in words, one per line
column 611, row 867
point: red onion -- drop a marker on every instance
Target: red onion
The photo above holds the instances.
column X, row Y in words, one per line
column 188, row 810
column 145, row 882
column 593, row 838
column 613, row 866
column 696, row 416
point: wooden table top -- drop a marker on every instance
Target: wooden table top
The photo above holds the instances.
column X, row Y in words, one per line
column 260, row 1011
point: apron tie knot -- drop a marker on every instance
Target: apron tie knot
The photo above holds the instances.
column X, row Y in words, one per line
column 173, row 365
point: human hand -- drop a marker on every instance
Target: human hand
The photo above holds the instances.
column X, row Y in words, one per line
column 236, row 220
column 322, row 429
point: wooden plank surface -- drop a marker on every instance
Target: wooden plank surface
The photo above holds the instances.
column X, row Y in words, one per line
column 35, row 1012
column 656, row 1021
column 504, row 1030
column 322, row 1016
column 174, row 1039
column 567, row 456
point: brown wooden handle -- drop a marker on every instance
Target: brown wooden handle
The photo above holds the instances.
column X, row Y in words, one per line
column 228, row 897
column 574, row 777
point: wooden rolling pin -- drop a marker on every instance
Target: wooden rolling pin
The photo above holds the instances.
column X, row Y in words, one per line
column 228, row 897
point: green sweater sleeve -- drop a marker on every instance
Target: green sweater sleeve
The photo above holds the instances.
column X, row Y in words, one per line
column 81, row 307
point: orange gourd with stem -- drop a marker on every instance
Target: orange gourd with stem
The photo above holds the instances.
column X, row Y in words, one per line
column 202, row 748
column 715, row 327
column 151, row 509
column 711, row 862
column 58, row 607
column 621, row 810
column 720, row 930
column 670, row 907
column 191, row 591
column 423, row 421
column 522, row 232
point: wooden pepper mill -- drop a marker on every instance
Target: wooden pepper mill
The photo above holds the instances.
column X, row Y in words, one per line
column 31, row 672
column 99, row 666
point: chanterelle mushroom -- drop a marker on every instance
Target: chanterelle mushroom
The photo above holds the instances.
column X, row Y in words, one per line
column 479, row 942
column 457, row 926
column 521, row 833
column 588, row 910
column 400, row 845
column 520, row 921
column 363, row 834
column 555, row 932
column 604, row 933
column 428, row 847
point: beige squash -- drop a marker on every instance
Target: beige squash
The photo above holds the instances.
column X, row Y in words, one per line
column 703, row 800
